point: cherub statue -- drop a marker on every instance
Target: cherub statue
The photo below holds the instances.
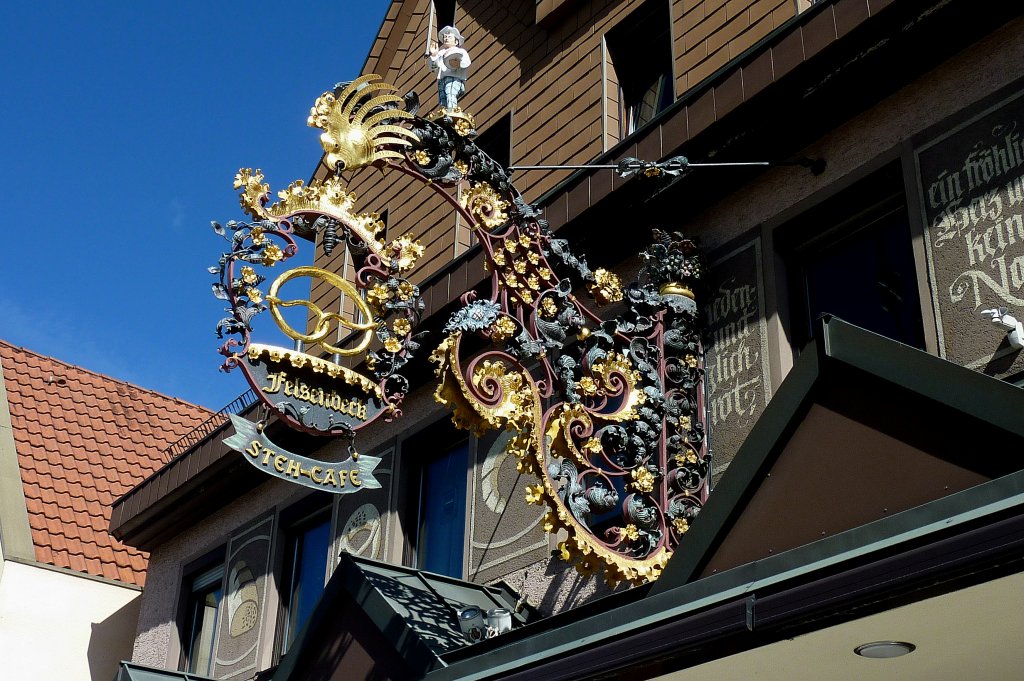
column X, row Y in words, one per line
column 450, row 61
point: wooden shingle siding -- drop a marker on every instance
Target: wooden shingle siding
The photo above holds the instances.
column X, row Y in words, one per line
column 711, row 33
column 558, row 80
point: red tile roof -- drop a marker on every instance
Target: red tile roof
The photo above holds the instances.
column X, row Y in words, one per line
column 83, row 440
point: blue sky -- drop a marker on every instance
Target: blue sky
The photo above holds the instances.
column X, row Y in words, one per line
column 122, row 125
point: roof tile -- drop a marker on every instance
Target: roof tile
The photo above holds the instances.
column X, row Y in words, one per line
column 82, row 439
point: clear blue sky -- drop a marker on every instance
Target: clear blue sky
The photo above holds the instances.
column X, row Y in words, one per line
column 122, row 125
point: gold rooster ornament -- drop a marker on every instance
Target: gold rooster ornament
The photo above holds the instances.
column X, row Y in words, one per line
column 359, row 123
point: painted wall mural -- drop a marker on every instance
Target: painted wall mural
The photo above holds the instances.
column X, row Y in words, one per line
column 242, row 620
column 972, row 189
column 738, row 377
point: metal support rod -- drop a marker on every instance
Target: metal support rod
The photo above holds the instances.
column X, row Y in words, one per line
column 613, row 167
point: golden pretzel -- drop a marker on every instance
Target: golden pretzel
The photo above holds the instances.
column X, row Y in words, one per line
column 323, row 319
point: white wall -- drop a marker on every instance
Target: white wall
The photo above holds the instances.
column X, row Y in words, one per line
column 59, row 626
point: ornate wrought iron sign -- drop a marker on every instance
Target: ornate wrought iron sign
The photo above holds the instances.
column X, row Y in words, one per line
column 607, row 414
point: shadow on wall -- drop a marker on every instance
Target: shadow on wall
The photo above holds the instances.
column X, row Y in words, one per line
column 111, row 640
column 514, row 26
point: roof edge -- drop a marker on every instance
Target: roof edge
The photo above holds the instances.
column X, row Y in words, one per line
column 106, row 377
column 836, row 343
column 75, row 573
column 917, row 535
column 15, row 530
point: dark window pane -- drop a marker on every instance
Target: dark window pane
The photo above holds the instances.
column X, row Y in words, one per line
column 641, row 52
column 496, row 141
column 308, row 574
column 445, row 11
column 443, row 513
column 867, row 279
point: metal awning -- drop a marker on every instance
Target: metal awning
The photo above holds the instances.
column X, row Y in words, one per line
column 397, row 620
column 129, row 671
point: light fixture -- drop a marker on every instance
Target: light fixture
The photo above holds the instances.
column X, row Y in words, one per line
column 884, row 649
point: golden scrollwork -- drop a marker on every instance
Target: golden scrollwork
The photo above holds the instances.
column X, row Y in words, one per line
column 607, row 373
column 254, row 192
column 519, row 411
column 560, row 442
column 325, row 322
column 517, row 407
column 517, row 396
column 358, row 124
column 485, row 205
column 328, row 197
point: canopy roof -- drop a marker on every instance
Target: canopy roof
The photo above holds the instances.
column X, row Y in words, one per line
column 859, row 491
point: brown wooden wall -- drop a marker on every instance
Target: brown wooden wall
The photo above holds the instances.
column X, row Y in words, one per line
column 707, row 34
column 555, row 77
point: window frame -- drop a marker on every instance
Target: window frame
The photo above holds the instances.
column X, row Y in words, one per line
column 822, row 227
column 310, row 511
column 204, row 569
column 444, row 437
column 627, row 67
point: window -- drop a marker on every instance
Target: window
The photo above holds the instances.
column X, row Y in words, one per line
column 204, row 598
column 307, row 547
column 496, row 141
column 854, row 260
column 641, row 56
column 438, row 504
column 444, row 11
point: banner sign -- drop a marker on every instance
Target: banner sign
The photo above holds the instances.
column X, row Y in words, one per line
column 317, row 394
column 343, row 477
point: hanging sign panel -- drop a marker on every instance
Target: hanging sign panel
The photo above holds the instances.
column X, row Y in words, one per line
column 344, row 477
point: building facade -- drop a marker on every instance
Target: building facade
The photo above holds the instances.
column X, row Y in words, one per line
column 887, row 192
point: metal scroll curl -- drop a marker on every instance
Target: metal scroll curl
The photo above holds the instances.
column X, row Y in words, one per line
column 619, row 451
column 607, row 414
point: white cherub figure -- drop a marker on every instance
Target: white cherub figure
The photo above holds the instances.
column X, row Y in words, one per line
column 450, row 61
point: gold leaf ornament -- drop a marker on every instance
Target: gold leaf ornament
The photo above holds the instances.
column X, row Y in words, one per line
column 485, row 205
column 359, row 124
column 404, row 252
column 401, row 327
column 254, row 192
column 606, row 287
column 643, row 479
column 272, row 254
column 503, row 329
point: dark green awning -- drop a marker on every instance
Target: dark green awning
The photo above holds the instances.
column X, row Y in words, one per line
column 394, row 620
column 129, row 671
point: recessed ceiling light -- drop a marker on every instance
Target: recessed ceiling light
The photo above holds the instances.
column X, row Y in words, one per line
column 884, row 649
